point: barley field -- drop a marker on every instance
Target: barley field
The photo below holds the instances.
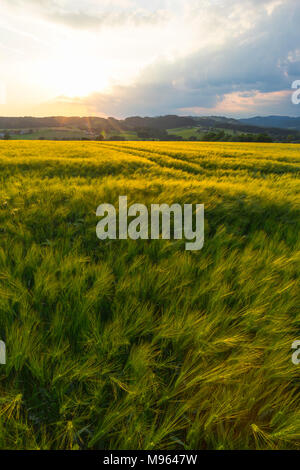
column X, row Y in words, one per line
column 140, row 344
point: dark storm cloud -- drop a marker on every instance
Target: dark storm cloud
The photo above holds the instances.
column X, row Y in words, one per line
column 265, row 59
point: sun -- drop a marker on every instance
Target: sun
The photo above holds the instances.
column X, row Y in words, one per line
column 73, row 79
column 74, row 72
column 81, row 83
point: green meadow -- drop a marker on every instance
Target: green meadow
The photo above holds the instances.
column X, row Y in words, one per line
column 123, row 344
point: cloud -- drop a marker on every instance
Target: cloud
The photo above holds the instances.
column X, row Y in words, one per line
column 248, row 103
column 91, row 17
column 204, row 55
column 81, row 20
column 258, row 65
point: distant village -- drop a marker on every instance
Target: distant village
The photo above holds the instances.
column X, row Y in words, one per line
column 7, row 134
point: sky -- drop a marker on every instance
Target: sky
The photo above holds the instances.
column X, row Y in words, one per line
column 140, row 57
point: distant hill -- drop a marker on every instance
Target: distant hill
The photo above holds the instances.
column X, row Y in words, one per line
column 247, row 126
column 282, row 122
column 279, row 128
column 160, row 122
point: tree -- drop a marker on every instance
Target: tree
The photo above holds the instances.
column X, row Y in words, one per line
column 116, row 137
column 264, row 138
